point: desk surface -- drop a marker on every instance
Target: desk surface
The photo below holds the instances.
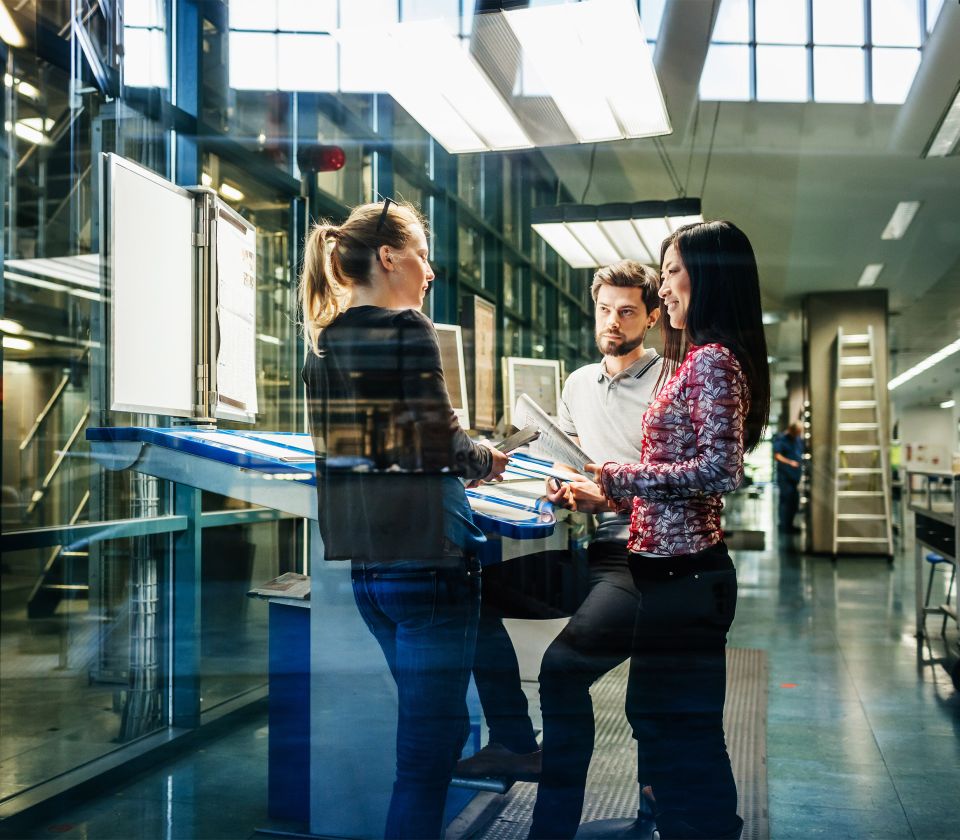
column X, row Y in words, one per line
column 240, row 463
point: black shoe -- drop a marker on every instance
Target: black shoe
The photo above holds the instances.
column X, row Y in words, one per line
column 495, row 761
column 640, row 828
column 671, row 827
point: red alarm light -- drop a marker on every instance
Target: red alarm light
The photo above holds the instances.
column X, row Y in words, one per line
column 315, row 157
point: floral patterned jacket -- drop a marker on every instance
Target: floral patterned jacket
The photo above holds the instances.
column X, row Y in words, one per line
column 691, row 453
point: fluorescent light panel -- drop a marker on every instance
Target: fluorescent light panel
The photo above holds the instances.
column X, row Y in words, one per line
column 586, row 236
column 594, row 60
column 12, row 343
column 948, row 404
column 945, row 140
column 558, row 237
column 626, row 240
column 870, row 274
column 926, row 364
column 10, row 327
column 900, row 220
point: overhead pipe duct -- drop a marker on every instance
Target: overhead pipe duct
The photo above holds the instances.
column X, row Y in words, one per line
column 934, row 87
column 681, row 52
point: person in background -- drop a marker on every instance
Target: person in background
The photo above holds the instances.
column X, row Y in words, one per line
column 713, row 407
column 788, row 453
column 390, row 456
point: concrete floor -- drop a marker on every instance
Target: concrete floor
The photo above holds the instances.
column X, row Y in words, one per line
column 863, row 739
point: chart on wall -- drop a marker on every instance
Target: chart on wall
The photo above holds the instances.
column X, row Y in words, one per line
column 236, row 316
column 485, row 355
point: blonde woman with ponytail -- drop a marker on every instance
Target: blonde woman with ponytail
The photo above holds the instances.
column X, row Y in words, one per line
column 390, row 454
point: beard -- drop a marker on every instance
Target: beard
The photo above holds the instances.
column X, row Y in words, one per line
column 610, row 347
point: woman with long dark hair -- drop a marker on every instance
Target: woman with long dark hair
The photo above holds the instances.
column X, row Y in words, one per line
column 390, row 454
column 711, row 409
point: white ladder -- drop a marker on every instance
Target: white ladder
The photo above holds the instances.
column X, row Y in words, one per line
column 861, row 477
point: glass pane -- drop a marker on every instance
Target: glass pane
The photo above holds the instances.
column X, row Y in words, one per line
column 253, row 61
column 933, row 12
column 360, row 13
column 143, row 13
column 233, row 626
column 307, row 62
column 781, row 21
column 145, row 57
column 253, row 14
column 838, row 74
column 447, row 11
column 893, row 72
column 838, row 22
column 83, row 665
column 733, row 21
column 315, row 16
column 782, row 74
column 895, row 23
column 470, row 180
column 726, row 73
column 651, row 15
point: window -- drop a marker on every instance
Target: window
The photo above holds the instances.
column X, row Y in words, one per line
column 816, row 50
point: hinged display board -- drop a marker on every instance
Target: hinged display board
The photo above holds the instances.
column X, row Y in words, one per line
column 180, row 269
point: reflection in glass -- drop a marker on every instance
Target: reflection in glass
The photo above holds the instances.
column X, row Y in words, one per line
column 726, row 73
column 82, row 670
column 893, row 72
column 781, row 74
column 838, row 74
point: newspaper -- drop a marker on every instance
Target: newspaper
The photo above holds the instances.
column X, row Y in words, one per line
column 288, row 585
column 553, row 441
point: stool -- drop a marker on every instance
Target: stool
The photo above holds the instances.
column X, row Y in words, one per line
column 935, row 560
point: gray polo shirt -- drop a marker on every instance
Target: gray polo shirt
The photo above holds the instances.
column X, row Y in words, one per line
column 606, row 413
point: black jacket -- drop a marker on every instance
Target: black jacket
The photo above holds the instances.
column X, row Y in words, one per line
column 385, row 435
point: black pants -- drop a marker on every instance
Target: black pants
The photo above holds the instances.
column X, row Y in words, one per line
column 676, row 691
column 596, row 640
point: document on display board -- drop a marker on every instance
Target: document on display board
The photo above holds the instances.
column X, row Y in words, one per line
column 553, row 441
column 236, row 316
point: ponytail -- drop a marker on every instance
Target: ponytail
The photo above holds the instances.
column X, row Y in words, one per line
column 337, row 258
column 322, row 295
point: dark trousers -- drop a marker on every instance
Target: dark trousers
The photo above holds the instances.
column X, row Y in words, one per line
column 425, row 620
column 597, row 639
column 497, row 675
column 676, row 690
column 789, row 503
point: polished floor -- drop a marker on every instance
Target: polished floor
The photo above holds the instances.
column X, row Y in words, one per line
column 863, row 737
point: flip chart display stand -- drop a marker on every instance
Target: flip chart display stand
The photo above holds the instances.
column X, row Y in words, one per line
column 180, row 269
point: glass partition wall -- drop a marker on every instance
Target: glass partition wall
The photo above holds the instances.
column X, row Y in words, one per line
column 90, row 557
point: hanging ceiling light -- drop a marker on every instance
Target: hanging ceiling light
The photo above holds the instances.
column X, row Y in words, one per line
column 544, row 76
column 586, row 235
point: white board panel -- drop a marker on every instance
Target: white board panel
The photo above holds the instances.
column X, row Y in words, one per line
column 150, row 270
column 236, row 266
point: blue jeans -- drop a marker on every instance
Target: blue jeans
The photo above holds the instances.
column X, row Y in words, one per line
column 676, row 689
column 425, row 620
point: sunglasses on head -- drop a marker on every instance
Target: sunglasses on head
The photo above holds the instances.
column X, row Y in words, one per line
column 383, row 213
